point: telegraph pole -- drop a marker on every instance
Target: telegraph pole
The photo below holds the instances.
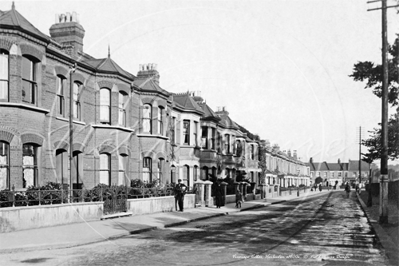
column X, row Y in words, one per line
column 360, row 155
column 384, row 115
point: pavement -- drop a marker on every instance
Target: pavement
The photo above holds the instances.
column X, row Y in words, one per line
column 381, row 231
column 89, row 232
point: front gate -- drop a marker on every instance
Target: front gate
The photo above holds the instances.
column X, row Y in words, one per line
column 115, row 200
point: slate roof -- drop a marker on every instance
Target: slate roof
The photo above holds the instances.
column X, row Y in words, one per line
column 187, row 102
column 334, row 167
column 209, row 114
column 14, row 20
column 244, row 130
column 227, row 122
column 319, row 166
column 354, row 166
column 148, row 84
column 108, row 65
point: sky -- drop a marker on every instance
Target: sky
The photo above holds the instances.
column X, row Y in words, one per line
column 280, row 68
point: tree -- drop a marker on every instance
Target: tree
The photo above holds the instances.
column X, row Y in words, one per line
column 372, row 74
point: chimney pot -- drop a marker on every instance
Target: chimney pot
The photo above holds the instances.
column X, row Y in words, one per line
column 70, row 35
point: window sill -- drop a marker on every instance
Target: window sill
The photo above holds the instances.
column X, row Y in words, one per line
column 67, row 120
column 208, row 150
column 113, row 127
column 25, row 106
column 146, row 135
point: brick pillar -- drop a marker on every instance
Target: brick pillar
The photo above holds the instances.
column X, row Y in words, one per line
column 199, row 198
column 207, row 190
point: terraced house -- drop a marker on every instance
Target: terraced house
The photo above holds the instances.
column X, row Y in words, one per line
column 339, row 172
column 124, row 126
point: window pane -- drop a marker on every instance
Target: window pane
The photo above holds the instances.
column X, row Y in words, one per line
column 147, row 118
column 121, row 178
column 105, row 97
column 147, row 169
column 147, row 111
column 121, row 117
column 104, row 168
column 121, row 100
column 4, row 149
column 186, row 132
column 3, row 90
column 104, row 177
column 122, row 162
column 160, row 113
column 28, row 92
column 104, row 161
column 27, row 69
column 75, row 91
column 3, row 178
column 146, row 125
column 59, row 85
column 29, row 164
column 3, row 66
column 104, row 113
column 60, row 105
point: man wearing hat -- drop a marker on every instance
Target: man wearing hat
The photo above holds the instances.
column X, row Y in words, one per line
column 180, row 191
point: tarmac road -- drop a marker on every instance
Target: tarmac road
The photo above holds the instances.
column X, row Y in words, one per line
column 326, row 230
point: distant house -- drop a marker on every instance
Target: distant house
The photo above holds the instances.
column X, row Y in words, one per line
column 341, row 172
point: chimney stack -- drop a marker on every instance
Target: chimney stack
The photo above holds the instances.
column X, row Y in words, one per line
column 295, row 155
column 69, row 33
column 289, row 153
column 222, row 110
column 149, row 71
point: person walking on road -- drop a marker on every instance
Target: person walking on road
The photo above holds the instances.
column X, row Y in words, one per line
column 347, row 189
column 180, row 191
column 320, row 189
column 218, row 194
column 357, row 188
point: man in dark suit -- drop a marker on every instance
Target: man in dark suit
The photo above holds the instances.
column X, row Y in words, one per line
column 180, row 191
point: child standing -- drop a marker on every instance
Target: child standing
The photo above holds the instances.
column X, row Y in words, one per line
column 238, row 198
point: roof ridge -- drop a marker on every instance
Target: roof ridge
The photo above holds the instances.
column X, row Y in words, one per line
column 19, row 23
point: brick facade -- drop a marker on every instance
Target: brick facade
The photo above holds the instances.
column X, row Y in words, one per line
column 113, row 139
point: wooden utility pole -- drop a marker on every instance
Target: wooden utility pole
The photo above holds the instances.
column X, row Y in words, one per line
column 384, row 116
column 360, row 155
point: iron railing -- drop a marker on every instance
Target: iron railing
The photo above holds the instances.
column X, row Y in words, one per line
column 15, row 198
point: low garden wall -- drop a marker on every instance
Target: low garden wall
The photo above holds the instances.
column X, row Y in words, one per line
column 158, row 204
column 30, row 217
